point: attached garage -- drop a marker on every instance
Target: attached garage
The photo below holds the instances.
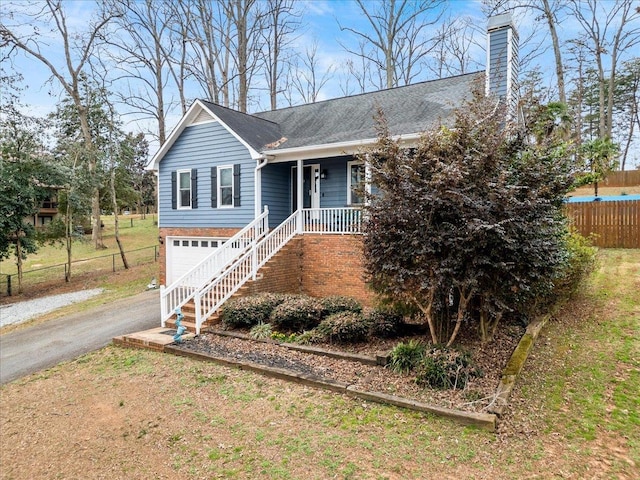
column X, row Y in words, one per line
column 184, row 253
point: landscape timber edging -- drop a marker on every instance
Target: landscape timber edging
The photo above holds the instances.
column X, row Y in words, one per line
column 485, row 421
column 353, row 357
column 516, row 363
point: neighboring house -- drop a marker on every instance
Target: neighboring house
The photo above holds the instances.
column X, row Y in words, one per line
column 47, row 211
column 236, row 189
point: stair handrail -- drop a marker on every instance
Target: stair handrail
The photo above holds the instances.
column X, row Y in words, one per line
column 212, row 296
column 186, row 286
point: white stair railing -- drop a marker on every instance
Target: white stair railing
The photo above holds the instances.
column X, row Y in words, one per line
column 212, row 296
column 185, row 288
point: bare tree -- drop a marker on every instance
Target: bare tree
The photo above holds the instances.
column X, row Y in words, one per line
column 452, row 54
column 399, row 37
column 361, row 71
column 611, row 28
column 283, row 22
column 307, row 76
column 29, row 36
column 247, row 18
column 142, row 54
column 206, row 32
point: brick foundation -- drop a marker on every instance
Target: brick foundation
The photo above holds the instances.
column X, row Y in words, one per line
column 316, row 265
column 332, row 265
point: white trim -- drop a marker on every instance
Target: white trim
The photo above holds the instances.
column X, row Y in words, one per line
column 179, row 205
column 509, row 68
column 218, row 186
column 350, row 164
column 333, row 149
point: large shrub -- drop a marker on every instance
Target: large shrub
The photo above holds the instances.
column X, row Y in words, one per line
column 472, row 216
column 344, row 327
column 296, row 314
column 339, row 303
column 245, row 312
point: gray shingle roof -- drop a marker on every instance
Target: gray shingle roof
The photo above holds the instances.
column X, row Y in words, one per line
column 409, row 109
column 254, row 130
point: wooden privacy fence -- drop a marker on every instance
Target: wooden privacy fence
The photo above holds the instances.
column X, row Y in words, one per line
column 625, row 178
column 612, row 224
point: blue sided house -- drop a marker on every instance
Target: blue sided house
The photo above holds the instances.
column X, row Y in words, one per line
column 269, row 201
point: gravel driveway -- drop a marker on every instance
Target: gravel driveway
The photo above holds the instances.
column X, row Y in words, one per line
column 19, row 312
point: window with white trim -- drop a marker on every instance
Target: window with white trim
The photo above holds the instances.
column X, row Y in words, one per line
column 355, row 182
column 225, row 186
column 184, row 188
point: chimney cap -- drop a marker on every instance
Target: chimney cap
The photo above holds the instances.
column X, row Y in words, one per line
column 500, row 21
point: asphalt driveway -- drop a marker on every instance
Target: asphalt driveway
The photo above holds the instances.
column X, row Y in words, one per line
column 42, row 346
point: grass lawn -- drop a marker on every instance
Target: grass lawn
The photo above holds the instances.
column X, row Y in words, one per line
column 44, row 270
column 135, row 233
column 121, row 413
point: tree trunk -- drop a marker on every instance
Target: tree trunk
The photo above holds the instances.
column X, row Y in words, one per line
column 462, row 310
column 114, row 202
column 556, row 51
column 68, row 239
column 19, row 261
column 427, row 310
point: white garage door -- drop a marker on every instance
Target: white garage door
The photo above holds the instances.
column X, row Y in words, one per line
column 183, row 253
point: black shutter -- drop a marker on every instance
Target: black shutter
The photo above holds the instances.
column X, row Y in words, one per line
column 194, row 188
column 214, row 187
column 174, row 190
column 236, row 185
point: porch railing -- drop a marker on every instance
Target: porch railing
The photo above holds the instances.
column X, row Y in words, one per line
column 347, row 220
column 185, row 288
column 212, row 296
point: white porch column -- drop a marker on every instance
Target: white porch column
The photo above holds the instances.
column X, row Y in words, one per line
column 299, row 195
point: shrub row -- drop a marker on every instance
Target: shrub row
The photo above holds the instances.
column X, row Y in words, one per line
column 334, row 319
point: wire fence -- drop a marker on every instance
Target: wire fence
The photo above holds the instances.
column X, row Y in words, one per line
column 55, row 273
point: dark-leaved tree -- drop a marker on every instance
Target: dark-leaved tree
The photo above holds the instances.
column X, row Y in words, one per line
column 470, row 221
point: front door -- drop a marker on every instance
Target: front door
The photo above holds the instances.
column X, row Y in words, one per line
column 310, row 187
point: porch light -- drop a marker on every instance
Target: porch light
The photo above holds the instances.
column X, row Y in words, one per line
column 323, row 174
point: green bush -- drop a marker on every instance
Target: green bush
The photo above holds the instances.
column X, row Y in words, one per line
column 406, row 356
column 581, row 261
column 310, row 336
column 296, row 314
column 246, row 312
column 385, row 322
column 339, row 303
column 445, row 368
column 261, row 331
column 344, row 327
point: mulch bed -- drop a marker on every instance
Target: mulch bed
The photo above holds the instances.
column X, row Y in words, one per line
column 477, row 396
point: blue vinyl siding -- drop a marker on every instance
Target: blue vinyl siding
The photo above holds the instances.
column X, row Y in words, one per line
column 276, row 191
column 333, row 189
column 202, row 147
column 498, row 60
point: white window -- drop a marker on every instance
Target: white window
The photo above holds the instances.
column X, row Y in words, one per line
column 225, row 186
column 355, row 183
column 184, row 188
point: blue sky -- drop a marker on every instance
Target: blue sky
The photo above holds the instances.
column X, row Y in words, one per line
column 320, row 18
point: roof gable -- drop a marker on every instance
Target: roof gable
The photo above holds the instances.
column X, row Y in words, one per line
column 202, row 112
